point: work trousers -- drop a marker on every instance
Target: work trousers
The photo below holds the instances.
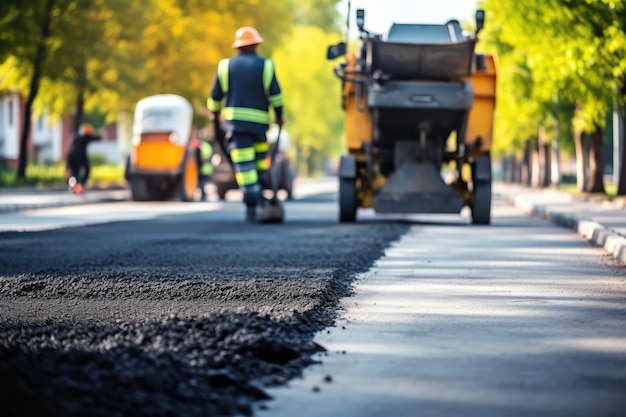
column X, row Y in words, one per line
column 79, row 168
column 248, row 151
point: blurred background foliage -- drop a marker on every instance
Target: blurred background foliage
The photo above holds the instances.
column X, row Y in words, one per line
column 562, row 63
column 102, row 56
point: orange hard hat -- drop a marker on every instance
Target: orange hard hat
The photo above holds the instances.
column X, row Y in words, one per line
column 245, row 36
column 86, row 129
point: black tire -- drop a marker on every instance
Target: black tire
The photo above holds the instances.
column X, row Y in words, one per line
column 127, row 171
column 481, row 190
column 139, row 189
column 347, row 200
column 481, row 211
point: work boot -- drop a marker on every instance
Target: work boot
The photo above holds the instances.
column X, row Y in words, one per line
column 270, row 211
column 251, row 214
column 71, row 182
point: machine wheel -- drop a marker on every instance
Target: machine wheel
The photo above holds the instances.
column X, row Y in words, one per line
column 188, row 183
column 481, row 211
column 347, row 200
column 139, row 189
column 481, row 179
column 127, row 172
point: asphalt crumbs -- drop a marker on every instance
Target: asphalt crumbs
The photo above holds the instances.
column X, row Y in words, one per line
column 178, row 316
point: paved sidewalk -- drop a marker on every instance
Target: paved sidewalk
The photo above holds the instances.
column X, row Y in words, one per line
column 601, row 222
column 19, row 199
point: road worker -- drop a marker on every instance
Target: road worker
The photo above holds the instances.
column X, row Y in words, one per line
column 77, row 160
column 244, row 89
column 204, row 152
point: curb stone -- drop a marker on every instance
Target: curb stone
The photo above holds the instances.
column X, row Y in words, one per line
column 592, row 231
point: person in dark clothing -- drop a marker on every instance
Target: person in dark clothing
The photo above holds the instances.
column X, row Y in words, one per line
column 77, row 160
column 247, row 83
column 203, row 152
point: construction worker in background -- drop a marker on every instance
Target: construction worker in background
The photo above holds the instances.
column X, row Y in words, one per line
column 247, row 83
column 77, row 159
column 204, row 152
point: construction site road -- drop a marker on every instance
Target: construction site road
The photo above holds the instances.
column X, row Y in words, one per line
column 182, row 309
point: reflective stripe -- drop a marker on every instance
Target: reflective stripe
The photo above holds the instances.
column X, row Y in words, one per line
column 268, row 74
column 247, row 178
column 213, row 106
column 242, row 155
column 207, row 169
column 263, row 164
column 222, row 75
column 261, row 147
column 206, row 150
column 276, row 100
column 246, row 115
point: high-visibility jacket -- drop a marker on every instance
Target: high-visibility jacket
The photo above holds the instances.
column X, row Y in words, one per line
column 248, row 86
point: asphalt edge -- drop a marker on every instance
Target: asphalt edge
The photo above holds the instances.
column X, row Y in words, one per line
column 102, row 196
column 590, row 230
column 12, row 208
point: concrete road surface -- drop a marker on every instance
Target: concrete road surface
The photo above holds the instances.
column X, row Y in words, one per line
column 521, row 318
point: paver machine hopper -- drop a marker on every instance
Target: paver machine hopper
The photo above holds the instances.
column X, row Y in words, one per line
column 414, row 103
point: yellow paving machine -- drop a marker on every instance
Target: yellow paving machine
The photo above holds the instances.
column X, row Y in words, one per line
column 418, row 104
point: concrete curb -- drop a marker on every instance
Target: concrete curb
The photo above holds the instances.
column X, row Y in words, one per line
column 63, row 199
column 12, row 208
column 592, row 231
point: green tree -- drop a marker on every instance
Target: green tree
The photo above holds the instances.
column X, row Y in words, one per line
column 185, row 40
column 105, row 55
column 320, row 13
column 24, row 32
column 574, row 49
column 312, row 96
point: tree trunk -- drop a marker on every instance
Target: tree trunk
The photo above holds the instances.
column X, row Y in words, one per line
column 504, row 167
column 555, row 170
column 509, row 169
column 544, row 159
column 40, row 57
column 79, row 111
column 526, row 165
column 621, row 184
column 81, row 86
column 581, row 161
column 555, row 161
column 310, row 162
column 517, row 170
column 596, row 162
column 534, row 167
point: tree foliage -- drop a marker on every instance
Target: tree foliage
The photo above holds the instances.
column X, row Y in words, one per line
column 105, row 55
column 312, row 93
column 27, row 38
column 571, row 50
